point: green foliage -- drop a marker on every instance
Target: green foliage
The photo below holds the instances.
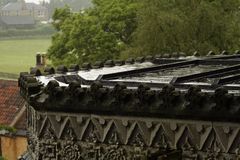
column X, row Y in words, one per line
column 118, row 17
column 1, row 158
column 7, row 128
column 99, row 33
column 187, row 25
column 127, row 28
column 60, row 16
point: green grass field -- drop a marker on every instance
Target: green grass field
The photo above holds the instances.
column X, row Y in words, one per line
column 19, row 55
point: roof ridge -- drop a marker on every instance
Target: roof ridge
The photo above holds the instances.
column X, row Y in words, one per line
column 18, row 116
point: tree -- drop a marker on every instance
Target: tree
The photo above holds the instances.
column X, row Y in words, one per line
column 127, row 28
column 187, row 25
column 118, row 17
column 99, row 33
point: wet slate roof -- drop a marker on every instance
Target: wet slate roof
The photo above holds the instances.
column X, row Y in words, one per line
column 200, row 88
column 208, row 73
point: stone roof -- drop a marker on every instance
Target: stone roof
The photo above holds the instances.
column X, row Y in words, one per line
column 212, row 93
column 13, row 6
column 17, row 20
column 11, row 105
column 147, row 108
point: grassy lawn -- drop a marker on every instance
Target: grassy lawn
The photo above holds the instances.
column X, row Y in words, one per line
column 19, row 55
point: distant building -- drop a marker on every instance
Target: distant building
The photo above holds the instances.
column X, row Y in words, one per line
column 17, row 22
column 21, row 8
column 13, row 114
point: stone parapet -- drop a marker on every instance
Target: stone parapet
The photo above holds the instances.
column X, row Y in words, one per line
column 55, row 135
column 167, row 102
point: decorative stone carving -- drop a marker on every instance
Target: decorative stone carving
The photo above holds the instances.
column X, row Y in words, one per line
column 68, row 134
column 49, row 135
column 115, row 153
column 161, row 141
column 136, row 139
column 48, row 151
column 70, row 150
column 32, row 143
column 91, row 134
column 214, row 150
column 130, row 138
column 114, row 139
column 92, row 152
column 139, row 153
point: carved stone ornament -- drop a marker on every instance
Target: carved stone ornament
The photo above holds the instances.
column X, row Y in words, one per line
column 70, row 150
column 162, row 142
column 115, row 153
column 91, row 136
column 114, row 139
column 48, row 151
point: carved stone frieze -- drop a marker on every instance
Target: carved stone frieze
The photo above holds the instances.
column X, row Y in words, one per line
column 70, row 150
column 86, row 136
column 48, row 151
column 115, row 153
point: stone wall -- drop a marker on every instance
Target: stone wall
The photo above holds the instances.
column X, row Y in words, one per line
column 88, row 136
column 101, row 120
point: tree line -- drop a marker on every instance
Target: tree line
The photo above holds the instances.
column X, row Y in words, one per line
column 113, row 29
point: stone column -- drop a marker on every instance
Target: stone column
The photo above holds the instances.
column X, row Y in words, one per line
column 44, row 59
column 38, row 59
